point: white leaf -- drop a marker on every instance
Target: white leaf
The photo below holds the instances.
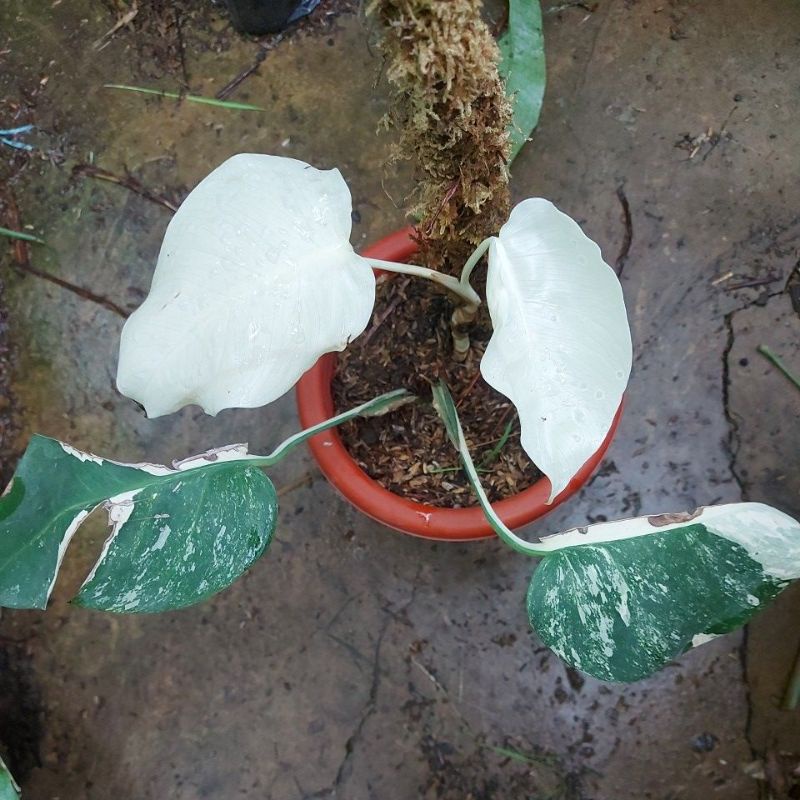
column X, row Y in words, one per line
column 255, row 280
column 561, row 348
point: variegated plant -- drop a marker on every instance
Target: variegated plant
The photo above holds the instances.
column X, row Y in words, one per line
column 256, row 279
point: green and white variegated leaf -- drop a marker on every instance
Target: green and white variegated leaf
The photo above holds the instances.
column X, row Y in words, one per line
column 200, row 502
column 561, row 349
column 8, row 787
column 523, row 68
column 179, row 534
column 619, row 600
column 255, row 280
column 175, row 544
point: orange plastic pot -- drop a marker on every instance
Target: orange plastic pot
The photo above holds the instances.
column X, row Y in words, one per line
column 315, row 404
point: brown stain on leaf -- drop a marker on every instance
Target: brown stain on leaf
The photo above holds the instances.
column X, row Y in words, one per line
column 661, row 520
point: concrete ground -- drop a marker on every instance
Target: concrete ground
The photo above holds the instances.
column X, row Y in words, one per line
column 354, row 662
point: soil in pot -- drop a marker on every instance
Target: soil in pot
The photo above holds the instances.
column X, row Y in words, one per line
column 408, row 345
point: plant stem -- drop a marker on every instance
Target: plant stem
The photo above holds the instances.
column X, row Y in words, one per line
column 460, row 322
column 372, row 408
column 464, row 315
column 778, row 362
column 375, row 407
column 446, row 408
column 473, row 260
column 465, row 293
column 465, row 311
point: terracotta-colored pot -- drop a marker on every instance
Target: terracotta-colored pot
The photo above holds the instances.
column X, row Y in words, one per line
column 315, row 404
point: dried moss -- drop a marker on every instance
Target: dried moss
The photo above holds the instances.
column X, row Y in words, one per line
column 452, row 115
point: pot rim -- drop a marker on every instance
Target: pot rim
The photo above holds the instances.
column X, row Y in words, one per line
column 315, row 404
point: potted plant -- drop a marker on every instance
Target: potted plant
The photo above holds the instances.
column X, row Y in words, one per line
column 316, row 402
column 255, row 281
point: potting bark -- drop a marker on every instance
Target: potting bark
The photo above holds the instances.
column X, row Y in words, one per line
column 408, row 345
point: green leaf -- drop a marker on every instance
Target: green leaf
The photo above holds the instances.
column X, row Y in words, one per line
column 8, row 787
column 620, row 600
column 523, row 68
column 180, row 541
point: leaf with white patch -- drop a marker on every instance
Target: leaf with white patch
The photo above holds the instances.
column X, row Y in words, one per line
column 619, row 600
column 53, row 490
column 561, row 347
column 56, row 487
column 256, row 279
column 178, row 542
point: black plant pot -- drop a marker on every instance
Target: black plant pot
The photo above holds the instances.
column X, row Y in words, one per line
column 265, row 16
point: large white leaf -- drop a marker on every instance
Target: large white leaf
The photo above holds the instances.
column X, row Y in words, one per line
column 561, row 348
column 255, row 280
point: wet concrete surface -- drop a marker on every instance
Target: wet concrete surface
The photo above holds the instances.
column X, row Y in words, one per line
column 353, row 662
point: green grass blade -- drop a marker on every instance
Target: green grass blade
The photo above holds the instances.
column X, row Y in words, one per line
column 192, row 98
column 497, row 449
column 26, row 237
column 778, row 362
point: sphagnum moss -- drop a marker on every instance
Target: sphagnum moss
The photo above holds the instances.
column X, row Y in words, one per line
column 453, row 117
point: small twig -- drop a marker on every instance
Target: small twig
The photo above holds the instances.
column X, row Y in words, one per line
column 129, row 182
column 306, row 479
column 442, row 470
column 124, row 20
column 590, row 7
column 429, row 675
column 181, row 45
column 468, row 389
column 448, row 196
column 23, row 263
column 77, row 290
column 499, row 27
column 716, row 138
column 228, row 89
column 21, row 246
column 503, row 416
column 628, row 236
column 387, row 312
column 778, row 362
column 753, row 282
column 722, row 278
column 791, row 698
